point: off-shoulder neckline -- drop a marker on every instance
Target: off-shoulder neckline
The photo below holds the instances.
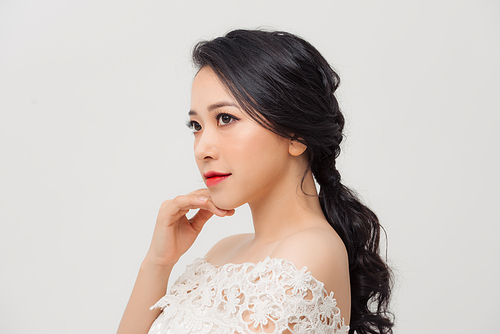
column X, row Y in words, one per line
column 301, row 282
column 266, row 260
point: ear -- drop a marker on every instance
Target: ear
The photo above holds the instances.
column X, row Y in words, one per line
column 295, row 147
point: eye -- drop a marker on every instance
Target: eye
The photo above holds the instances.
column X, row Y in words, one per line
column 193, row 125
column 224, row 119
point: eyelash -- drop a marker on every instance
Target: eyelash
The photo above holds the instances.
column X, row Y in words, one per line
column 217, row 115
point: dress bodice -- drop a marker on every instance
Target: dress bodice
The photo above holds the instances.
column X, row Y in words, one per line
column 271, row 296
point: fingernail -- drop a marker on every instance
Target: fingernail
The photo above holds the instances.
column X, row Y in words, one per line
column 203, row 199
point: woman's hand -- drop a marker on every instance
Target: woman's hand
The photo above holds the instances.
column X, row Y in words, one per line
column 172, row 237
column 174, row 233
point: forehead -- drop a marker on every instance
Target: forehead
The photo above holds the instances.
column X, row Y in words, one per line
column 208, row 89
column 208, row 93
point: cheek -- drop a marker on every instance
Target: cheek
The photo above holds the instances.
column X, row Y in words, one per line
column 259, row 162
column 256, row 157
column 255, row 151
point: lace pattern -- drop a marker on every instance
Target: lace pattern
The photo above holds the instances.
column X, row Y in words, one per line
column 271, row 296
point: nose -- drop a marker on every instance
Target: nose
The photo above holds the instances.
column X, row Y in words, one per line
column 205, row 146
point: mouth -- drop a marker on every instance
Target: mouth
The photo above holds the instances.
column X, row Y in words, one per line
column 214, row 178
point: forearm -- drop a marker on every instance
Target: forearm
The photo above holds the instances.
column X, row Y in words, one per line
column 150, row 286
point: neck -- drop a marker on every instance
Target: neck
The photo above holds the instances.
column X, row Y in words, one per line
column 286, row 210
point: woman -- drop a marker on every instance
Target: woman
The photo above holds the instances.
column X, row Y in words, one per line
column 266, row 124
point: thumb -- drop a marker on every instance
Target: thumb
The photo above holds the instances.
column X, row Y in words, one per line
column 199, row 219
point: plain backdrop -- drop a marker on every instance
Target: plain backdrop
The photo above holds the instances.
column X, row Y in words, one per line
column 93, row 100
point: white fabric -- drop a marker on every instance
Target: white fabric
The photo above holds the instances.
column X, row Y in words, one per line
column 271, row 296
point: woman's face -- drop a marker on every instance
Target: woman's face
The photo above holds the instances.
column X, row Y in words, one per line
column 251, row 161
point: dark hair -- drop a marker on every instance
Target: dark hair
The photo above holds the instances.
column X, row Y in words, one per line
column 287, row 86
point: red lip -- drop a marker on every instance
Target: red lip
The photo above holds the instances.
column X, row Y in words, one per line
column 212, row 173
column 213, row 178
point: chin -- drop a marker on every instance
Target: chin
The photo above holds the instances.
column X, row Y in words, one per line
column 224, row 202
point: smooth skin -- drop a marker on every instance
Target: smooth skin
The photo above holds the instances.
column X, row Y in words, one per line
column 266, row 172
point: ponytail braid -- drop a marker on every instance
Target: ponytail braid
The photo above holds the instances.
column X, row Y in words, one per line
column 359, row 229
column 286, row 85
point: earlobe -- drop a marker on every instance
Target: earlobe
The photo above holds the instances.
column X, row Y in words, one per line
column 296, row 148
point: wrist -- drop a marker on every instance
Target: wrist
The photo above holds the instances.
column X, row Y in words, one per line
column 151, row 262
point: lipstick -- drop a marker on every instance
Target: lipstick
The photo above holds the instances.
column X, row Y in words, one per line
column 213, row 178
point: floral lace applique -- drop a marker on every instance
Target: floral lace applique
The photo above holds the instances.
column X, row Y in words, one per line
column 271, row 296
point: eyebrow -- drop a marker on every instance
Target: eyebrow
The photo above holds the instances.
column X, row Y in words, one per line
column 216, row 105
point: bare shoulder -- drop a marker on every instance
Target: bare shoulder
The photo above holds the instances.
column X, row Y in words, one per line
column 324, row 254
column 313, row 248
column 225, row 245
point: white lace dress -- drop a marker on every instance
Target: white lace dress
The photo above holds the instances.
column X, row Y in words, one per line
column 271, row 296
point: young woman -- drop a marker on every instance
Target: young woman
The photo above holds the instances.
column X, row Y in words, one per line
column 266, row 125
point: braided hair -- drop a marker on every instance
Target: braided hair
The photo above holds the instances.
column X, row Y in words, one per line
column 287, row 86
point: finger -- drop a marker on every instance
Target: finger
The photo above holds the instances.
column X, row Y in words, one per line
column 204, row 192
column 199, row 219
column 202, row 216
column 212, row 208
column 176, row 208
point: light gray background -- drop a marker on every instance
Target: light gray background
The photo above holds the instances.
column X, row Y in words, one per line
column 93, row 100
